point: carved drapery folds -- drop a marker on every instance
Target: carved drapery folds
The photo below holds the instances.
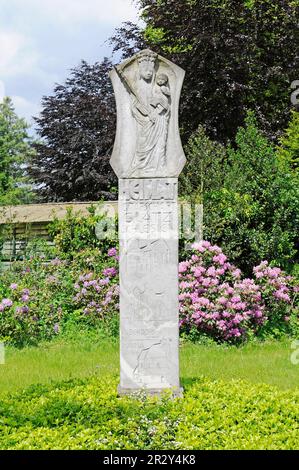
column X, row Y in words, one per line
column 147, row 89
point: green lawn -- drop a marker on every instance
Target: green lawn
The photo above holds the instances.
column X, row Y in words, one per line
column 84, row 356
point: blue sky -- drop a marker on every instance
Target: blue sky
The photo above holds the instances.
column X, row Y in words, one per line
column 40, row 40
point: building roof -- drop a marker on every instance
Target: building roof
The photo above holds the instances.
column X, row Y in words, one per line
column 35, row 213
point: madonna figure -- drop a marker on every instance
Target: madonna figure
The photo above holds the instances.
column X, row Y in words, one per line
column 150, row 106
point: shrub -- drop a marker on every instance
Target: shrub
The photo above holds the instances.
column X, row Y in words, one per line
column 87, row 414
column 75, row 233
column 97, row 296
column 250, row 200
column 38, row 298
column 288, row 151
column 215, row 300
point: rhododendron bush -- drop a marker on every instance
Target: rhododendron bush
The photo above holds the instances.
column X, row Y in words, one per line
column 38, row 299
column 217, row 301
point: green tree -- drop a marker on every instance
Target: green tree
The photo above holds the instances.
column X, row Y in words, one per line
column 15, row 155
column 255, row 215
column 251, row 203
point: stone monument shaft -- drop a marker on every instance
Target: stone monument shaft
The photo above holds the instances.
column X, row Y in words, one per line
column 147, row 158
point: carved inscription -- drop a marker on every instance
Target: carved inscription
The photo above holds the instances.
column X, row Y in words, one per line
column 148, row 247
column 149, row 210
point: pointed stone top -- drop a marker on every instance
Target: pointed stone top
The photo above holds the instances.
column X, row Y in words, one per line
column 147, row 89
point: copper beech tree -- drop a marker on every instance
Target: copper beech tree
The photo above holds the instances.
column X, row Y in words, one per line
column 77, row 128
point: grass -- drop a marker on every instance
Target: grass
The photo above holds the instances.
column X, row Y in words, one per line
column 268, row 362
column 86, row 355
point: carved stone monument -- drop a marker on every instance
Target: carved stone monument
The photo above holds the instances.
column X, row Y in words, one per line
column 148, row 158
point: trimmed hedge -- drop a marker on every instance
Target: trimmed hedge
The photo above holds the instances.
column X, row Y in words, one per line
column 87, row 414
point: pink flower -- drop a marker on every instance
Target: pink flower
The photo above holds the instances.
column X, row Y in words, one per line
column 198, row 271
column 221, row 258
column 198, row 247
column 261, row 266
column 206, row 244
column 203, row 301
column 239, row 306
column 258, row 314
column 183, row 266
column 238, row 318
column 259, row 274
column 236, row 273
column 211, row 271
column 280, row 295
column 215, row 249
column 220, row 271
column 110, row 272
column 112, row 252
column 7, row 303
column 274, row 272
column 221, row 325
column 235, row 299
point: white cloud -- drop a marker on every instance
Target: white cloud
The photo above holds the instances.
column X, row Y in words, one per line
column 25, row 108
column 17, row 54
column 39, row 42
column 73, row 11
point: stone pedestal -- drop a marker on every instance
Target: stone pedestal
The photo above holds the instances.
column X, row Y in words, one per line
column 148, row 158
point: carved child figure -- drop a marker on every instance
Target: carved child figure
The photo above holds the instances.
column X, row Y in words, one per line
column 161, row 98
column 162, row 82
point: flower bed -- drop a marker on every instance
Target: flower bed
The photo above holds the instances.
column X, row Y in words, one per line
column 215, row 300
column 38, row 300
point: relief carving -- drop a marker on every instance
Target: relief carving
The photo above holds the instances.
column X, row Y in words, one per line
column 147, row 88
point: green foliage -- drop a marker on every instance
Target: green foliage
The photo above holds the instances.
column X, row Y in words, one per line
column 81, row 352
column 250, row 200
column 205, row 168
column 288, row 150
column 15, row 153
column 88, row 414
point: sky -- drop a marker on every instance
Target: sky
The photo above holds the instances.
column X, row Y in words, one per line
column 41, row 40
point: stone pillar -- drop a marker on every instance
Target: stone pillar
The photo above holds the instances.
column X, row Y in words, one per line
column 147, row 159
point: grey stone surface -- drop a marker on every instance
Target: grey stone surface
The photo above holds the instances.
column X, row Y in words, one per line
column 148, row 157
column 147, row 90
column 148, row 231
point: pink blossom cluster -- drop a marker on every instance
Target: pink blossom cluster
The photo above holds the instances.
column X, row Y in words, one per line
column 217, row 301
column 274, row 280
column 98, row 295
column 19, row 301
